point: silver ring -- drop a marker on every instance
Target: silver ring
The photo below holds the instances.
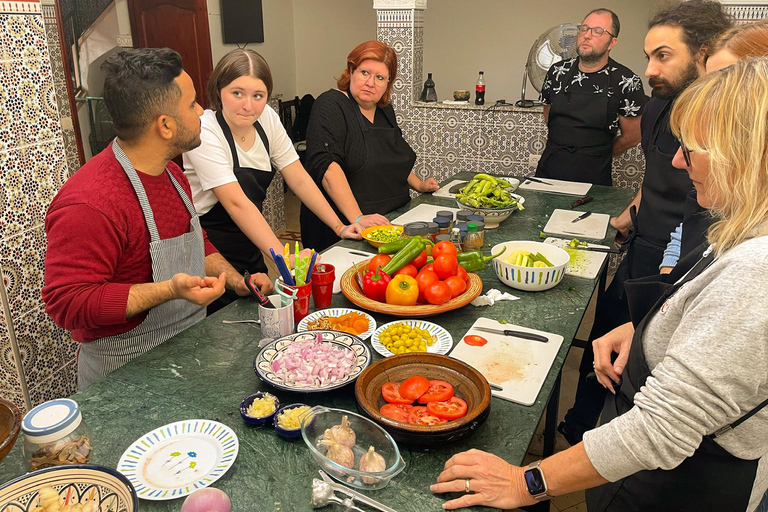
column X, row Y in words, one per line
column 466, row 485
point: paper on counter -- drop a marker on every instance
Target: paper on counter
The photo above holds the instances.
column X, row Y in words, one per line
column 491, row 297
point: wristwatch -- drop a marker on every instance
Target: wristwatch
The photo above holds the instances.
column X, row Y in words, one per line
column 535, row 481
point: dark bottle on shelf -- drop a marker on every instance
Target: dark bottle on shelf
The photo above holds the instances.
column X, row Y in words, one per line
column 480, row 90
column 428, row 94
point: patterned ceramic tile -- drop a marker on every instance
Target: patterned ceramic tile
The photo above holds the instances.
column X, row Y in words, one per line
column 10, row 388
column 61, row 384
column 11, row 181
column 34, row 105
column 22, row 36
column 22, row 264
column 42, row 344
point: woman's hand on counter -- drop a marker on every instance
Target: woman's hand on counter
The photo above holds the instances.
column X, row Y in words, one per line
column 352, row 231
column 619, row 341
column 373, row 219
column 428, row 185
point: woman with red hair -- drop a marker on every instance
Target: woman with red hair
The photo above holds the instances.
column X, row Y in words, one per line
column 355, row 150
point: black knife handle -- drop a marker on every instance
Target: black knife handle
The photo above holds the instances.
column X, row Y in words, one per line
column 526, row 335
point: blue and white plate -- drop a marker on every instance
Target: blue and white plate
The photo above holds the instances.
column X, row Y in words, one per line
column 179, row 458
column 442, row 344
column 262, row 363
column 337, row 312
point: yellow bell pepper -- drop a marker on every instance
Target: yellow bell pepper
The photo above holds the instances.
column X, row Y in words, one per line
column 402, row 290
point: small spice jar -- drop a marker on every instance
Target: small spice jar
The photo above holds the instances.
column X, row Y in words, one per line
column 475, row 218
column 462, row 215
column 472, row 241
column 55, row 434
column 481, row 232
column 443, row 225
column 433, row 229
column 442, row 238
column 448, row 214
column 411, row 229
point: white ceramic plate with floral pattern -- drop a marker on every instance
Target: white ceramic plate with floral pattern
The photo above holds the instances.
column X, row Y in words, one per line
column 337, row 312
column 443, row 339
column 179, row 458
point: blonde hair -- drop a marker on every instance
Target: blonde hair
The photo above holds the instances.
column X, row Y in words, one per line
column 725, row 115
column 749, row 40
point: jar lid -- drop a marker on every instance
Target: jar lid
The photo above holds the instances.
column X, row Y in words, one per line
column 462, row 215
column 480, row 225
column 443, row 238
column 471, row 226
column 442, row 222
column 475, row 218
column 51, row 420
column 432, row 227
column 448, row 214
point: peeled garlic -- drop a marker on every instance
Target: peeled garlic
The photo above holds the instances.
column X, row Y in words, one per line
column 343, row 433
column 372, row 462
column 337, row 452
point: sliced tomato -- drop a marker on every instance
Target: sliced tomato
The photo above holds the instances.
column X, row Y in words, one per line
column 452, row 409
column 414, row 387
column 391, row 393
column 438, row 391
column 474, row 340
column 421, row 416
column 397, row 412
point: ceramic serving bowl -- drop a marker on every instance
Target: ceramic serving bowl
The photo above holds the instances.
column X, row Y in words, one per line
column 532, row 279
column 493, row 216
column 290, row 433
column 468, row 383
column 257, row 421
column 367, row 434
column 461, row 95
column 77, row 483
column 366, row 234
column 10, row 424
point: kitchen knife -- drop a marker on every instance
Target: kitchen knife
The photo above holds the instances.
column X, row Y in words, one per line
column 457, row 187
column 516, row 334
column 594, row 249
column 580, row 201
column 582, row 217
column 536, row 180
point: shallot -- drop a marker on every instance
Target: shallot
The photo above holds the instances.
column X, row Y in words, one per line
column 313, row 363
column 207, row 500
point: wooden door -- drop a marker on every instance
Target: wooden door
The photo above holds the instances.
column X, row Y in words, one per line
column 181, row 25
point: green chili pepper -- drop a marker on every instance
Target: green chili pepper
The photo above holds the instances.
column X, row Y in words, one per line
column 412, row 249
column 390, row 247
column 474, row 261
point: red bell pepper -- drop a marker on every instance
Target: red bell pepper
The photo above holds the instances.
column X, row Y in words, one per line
column 375, row 284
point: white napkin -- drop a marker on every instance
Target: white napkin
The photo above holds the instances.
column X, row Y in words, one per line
column 491, row 297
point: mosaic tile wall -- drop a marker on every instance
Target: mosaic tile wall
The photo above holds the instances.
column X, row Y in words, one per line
column 449, row 139
column 33, row 166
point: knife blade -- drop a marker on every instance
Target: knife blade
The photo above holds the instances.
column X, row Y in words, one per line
column 457, row 187
column 360, row 253
column 536, row 180
column 516, row 334
column 581, row 217
column 595, row 249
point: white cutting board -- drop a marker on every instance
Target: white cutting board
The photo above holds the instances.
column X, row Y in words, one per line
column 423, row 213
column 443, row 191
column 583, row 263
column 518, row 366
column 341, row 258
column 561, row 223
column 571, row 188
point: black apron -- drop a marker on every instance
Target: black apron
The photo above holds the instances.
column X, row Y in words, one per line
column 222, row 231
column 379, row 186
column 696, row 222
column 709, row 480
column 579, row 146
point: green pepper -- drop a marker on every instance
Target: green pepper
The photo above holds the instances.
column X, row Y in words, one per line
column 390, row 247
column 412, row 249
column 474, row 261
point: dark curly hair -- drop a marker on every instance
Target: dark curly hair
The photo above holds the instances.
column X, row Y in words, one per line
column 139, row 86
column 701, row 21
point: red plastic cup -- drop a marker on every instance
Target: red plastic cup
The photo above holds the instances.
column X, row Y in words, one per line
column 301, row 302
column 323, row 277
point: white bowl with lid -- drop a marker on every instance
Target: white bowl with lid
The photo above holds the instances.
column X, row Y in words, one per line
column 55, row 434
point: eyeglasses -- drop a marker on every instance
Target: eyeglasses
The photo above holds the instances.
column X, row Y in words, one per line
column 378, row 79
column 686, row 153
column 596, row 31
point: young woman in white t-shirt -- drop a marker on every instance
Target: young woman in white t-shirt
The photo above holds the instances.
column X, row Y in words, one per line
column 242, row 141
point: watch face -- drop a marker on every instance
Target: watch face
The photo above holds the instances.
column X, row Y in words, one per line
column 534, row 481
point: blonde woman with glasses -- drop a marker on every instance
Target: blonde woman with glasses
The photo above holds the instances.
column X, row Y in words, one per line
column 356, row 152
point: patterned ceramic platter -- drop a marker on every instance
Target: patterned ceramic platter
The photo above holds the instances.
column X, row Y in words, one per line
column 442, row 345
column 179, row 458
column 79, row 483
column 337, row 312
column 262, row 363
column 352, row 291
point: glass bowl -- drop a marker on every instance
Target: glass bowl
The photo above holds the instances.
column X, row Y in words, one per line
column 367, row 434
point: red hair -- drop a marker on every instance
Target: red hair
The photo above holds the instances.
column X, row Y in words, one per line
column 371, row 50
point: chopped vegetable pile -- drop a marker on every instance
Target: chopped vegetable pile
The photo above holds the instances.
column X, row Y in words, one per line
column 384, row 234
column 400, row 338
column 261, row 407
column 312, row 364
column 528, row 259
column 291, row 418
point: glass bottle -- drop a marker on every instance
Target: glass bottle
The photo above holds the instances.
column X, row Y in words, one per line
column 429, row 94
column 480, row 90
column 472, row 242
column 456, row 238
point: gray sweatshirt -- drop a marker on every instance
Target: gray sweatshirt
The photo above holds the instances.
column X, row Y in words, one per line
column 708, row 351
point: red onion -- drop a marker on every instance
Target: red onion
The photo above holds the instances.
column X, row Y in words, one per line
column 207, row 500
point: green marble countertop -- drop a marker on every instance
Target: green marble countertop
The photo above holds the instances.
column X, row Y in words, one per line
column 205, row 372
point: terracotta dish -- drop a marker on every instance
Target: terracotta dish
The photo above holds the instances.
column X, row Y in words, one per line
column 352, row 291
column 468, row 383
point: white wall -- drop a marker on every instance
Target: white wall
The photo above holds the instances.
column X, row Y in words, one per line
column 325, row 32
column 461, row 38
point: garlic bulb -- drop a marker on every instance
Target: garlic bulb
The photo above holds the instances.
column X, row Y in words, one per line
column 337, row 452
column 372, row 462
column 343, row 433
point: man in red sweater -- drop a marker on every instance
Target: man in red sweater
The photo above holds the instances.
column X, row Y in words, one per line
column 128, row 265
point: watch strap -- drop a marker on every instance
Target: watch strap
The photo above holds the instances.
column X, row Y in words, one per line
column 537, row 494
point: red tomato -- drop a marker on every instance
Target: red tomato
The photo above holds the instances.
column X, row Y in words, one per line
column 475, row 341
column 408, row 270
column 378, row 261
column 391, row 393
column 397, row 412
column 419, row 260
column 430, row 267
column 414, row 387
column 444, row 247
column 438, row 293
column 438, row 391
column 420, row 416
column 445, row 266
column 457, row 285
column 424, row 279
column 452, row 409
column 462, row 273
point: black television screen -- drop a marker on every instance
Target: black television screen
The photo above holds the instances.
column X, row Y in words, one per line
column 242, row 21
